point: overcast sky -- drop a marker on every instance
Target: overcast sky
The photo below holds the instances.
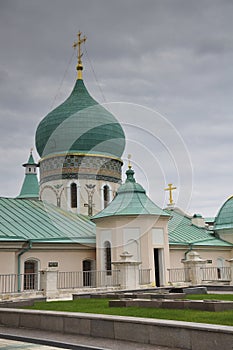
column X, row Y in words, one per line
column 175, row 57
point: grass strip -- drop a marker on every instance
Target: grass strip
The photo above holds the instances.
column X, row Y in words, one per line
column 100, row 306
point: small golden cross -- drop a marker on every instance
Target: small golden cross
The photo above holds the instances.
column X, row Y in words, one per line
column 79, row 54
column 170, row 189
column 129, row 163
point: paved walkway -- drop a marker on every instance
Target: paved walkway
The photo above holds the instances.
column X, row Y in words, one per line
column 6, row 344
column 65, row 341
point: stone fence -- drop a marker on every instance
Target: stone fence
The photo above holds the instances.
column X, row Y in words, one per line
column 173, row 334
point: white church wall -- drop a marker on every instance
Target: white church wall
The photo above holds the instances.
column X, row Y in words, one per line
column 226, row 236
column 214, row 255
column 67, row 260
column 48, row 194
column 8, row 262
column 211, row 254
column 131, row 242
column 176, row 256
column 137, row 236
column 104, row 236
column 157, row 237
column 60, row 192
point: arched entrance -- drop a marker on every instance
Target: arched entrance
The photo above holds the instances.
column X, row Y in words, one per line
column 88, row 273
column 31, row 275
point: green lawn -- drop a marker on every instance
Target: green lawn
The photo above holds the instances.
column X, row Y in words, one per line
column 227, row 297
column 100, row 306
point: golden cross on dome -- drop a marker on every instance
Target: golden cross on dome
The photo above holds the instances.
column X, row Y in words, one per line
column 170, row 189
column 129, row 163
column 79, row 54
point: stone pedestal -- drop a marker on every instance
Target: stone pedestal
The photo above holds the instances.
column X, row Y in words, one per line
column 194, row 263
column 231, row 269
column 48, row 282
column 129, row 271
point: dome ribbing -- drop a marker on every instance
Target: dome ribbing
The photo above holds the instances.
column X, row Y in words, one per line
column 224, row 219
column 80, row 124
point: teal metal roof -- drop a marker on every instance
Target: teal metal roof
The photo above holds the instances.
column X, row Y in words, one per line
column 131, row 199
column 30, row 160
column 224, row 219
column 80, row 124
column 182, row 232
column 42, row 222
column 30, row 187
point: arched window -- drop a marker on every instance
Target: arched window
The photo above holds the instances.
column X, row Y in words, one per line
column 31, row 274
column 108, row 257
column 73, row 195
column 106, row 195
column 88, row 274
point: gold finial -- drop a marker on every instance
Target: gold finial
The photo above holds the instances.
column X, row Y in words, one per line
column 78, row 43
column 129, row 163
column 170, row 189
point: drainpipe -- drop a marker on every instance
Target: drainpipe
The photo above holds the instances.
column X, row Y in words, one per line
column 189, row 250
column 19, row 262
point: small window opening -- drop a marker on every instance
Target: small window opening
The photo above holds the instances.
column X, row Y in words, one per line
column 106, row 196
column 108, row 258
column 73, row 192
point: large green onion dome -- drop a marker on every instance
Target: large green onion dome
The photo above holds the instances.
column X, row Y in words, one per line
column 80, row 125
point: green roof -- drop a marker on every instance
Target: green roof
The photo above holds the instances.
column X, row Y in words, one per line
column 30, row 160
column 131, row 199
column 24, row 219
column 183, row 232
column 224, row 219
column 80, row 124
column 30, row 187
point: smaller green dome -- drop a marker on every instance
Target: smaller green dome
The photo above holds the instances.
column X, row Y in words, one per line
column 131, row 199
column 224, row 219
column 130, row 185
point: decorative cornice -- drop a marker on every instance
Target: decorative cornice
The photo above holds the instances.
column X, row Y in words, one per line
column 80, row 154
column 86, row 176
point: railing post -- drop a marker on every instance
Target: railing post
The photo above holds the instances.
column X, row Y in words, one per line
column 128, row 270
column 231, row 270
column 194, row 263
column 48, row 282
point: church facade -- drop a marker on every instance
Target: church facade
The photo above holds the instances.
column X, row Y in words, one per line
column 80, row 217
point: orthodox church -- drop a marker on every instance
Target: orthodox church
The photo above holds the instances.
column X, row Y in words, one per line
column 80, row 217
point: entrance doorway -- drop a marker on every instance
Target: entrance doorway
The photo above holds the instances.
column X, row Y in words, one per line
column 88, row 273
column 30, row 274
column 157, row 265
